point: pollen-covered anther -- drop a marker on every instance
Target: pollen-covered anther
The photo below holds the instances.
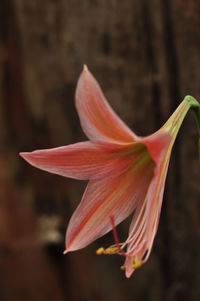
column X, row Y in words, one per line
column 100, row 251
column 137, row 263
column 123, row 267
column 107, row 251
column 111, row 250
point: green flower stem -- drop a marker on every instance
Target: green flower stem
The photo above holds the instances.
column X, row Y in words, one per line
column 195, row 106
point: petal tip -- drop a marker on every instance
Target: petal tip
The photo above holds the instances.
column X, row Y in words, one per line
column 23, row 155
column 86, row 74
column 128, row 275
column 85, row 67
column 27, row 156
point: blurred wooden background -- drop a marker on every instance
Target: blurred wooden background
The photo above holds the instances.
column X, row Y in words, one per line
column 146, row 56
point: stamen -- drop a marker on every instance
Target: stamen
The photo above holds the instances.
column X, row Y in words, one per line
column 123, row 267
column 138, row 224
column 111, row 250
column 107, row 251
column 118, row 245
column 100, row 251
column 137, row 241
column 137, row 263
column 114, row 249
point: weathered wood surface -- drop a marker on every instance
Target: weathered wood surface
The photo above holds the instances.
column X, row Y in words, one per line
column 146, row 56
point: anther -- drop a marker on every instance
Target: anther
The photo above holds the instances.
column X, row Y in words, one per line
column 107, row 251
column 123, row 267
column 111, row 250
column 100, row 251
column 137, row 263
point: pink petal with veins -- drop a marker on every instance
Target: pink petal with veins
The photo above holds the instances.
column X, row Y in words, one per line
column 145, row 221
column 156, row 144
column 86, row 160
column 98, row 120
column 117, row 196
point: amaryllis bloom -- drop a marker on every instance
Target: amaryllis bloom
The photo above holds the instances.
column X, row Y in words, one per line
column 126, row 174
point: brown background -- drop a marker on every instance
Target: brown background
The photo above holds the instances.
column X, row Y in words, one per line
column 146, row 56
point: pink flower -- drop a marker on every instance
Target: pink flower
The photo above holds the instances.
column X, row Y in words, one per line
column 126, row 174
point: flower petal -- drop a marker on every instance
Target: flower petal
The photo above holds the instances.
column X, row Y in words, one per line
column 116, row 196
column 154, row 201
column 157, row 143
column 145, row 221
column 86, row 160
column 98, row 120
